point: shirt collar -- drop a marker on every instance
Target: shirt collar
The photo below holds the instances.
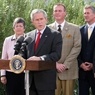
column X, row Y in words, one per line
column 92, row 25
column 41, row 30
column 15, row 38
column 62, row 24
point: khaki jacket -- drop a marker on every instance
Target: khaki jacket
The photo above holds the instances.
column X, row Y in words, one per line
column 70, row 50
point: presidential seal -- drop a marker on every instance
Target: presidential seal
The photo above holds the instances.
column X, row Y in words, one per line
column 17, row 64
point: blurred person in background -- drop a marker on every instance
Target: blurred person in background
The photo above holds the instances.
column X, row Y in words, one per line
column 14, row 82
column 86, row 75
column 67, row 66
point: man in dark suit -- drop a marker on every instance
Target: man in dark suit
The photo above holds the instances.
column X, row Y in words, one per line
column 86, row 75
column 48, row 48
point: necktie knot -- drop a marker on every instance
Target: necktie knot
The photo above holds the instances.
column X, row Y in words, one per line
column 59, row 28
column 39, row 33
column 59, row 25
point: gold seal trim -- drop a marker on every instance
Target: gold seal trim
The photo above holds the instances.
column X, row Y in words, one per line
column 17, row 64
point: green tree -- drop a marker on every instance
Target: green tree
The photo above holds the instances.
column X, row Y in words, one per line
column 10, row 9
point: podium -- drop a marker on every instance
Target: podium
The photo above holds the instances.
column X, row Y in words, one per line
column 30, row 65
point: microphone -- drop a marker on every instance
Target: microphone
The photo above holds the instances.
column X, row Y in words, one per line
column 26, row 41
column 23, row 51
column 17, row 46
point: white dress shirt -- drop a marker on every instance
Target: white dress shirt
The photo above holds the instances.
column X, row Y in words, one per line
column 62, row 25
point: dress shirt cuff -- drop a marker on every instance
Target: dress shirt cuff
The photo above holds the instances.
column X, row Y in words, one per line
column 3, row 72
column 42, row 58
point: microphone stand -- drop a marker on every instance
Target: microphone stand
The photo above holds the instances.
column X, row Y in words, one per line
column 23, row 53
column 27, row 82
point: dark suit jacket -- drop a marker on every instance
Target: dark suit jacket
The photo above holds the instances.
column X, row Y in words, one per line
column 50, row 49
column 87, row 50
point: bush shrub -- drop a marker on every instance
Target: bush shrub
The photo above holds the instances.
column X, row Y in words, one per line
column 10, row 9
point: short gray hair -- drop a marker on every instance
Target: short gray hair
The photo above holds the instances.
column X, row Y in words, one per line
column 90, row 7
column 60, row 4
column 37, row 11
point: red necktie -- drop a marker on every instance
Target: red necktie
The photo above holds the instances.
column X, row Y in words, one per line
column 37, row 40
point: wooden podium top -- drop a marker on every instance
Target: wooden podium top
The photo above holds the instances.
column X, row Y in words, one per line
column 40, row 65
column 31, row 65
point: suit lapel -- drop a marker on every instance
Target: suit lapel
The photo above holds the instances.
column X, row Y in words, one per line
column 86, row 33
column 92, row 35
column 31, row 45
column 65, row 29
column 53, row 25
column 45, row 35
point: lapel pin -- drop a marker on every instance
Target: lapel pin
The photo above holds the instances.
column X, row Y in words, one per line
column 66, row 28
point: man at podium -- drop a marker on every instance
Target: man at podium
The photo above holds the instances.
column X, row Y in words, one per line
column 46, row 45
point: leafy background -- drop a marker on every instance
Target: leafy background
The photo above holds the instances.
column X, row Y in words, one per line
column 10, row 9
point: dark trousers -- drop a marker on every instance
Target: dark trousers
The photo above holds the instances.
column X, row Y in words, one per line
column 15, row 84
column 86, row 83
column 42, row 92
column 34, row 91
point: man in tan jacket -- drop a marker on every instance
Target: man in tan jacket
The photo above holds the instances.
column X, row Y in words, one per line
column 67, row 66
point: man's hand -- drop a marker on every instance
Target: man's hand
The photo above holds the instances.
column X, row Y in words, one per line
column 86, row 66
column 3, row 80
column 60, row 67
column 34, row 58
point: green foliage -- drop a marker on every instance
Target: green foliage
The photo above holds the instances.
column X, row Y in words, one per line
column 2, row 89
column 10, row 9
